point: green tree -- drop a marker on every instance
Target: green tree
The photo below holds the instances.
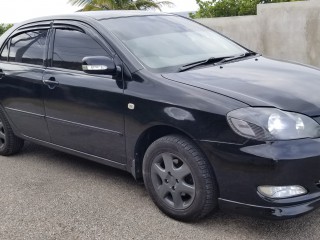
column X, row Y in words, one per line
column 93, row 5
column 227, row 8
column 4, row 27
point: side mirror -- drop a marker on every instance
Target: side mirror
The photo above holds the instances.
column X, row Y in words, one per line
column 99, row 65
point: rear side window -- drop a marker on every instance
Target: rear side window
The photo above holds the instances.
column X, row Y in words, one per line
column 71, row 46
column 28, row 47
column 4, row 53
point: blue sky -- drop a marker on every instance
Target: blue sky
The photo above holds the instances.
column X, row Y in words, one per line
column 13, row 11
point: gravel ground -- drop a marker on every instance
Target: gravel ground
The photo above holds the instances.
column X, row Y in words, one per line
column 46, row 194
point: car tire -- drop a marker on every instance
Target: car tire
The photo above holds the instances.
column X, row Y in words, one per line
column 179, row 178
column 9, row 143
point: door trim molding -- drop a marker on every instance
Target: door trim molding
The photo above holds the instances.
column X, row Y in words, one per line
column 105, row 130
column 25, row 112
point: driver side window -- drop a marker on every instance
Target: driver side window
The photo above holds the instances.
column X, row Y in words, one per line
column 71, row 46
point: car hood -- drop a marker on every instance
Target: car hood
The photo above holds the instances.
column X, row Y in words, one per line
column 260, row 82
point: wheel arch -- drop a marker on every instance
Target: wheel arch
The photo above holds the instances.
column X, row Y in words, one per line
column 147, row 137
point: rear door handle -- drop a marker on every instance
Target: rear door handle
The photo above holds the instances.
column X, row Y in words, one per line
column 51, row 82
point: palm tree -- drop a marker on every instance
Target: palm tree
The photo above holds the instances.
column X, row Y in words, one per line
column 94, row 5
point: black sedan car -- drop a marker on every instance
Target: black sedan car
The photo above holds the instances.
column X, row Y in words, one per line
column 204, row 122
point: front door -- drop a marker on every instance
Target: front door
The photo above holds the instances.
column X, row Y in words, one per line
column 83, row 111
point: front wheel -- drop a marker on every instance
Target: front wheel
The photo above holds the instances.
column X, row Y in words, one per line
column 179, row 178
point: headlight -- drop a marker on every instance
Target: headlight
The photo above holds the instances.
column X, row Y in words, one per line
column 272, row 124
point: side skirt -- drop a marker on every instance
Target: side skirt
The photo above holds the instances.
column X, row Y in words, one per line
column 77, row 153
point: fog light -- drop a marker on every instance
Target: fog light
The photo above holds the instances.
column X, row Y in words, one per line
column 282, row 191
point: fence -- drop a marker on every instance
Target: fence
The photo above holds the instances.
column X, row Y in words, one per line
column 288, row 31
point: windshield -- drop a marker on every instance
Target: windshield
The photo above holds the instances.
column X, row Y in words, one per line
column 165, row 43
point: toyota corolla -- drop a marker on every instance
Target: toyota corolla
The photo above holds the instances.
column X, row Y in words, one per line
column 205, row 123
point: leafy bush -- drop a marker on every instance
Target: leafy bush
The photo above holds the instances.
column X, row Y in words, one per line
column 227, row 8
column 4, row 27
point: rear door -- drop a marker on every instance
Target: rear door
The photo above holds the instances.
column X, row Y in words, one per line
column 21, row 72
column 84, row 111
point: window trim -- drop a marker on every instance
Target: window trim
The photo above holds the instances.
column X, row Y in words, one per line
column 77, row 72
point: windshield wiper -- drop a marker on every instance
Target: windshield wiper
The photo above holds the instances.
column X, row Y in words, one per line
column 217, row 60
column 203, row 62
column 244, row 55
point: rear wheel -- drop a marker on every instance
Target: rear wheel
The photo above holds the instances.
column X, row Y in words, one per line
column 179, row 178
column 9, row 143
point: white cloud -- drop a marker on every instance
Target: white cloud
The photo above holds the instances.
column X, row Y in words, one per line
column 13, row 11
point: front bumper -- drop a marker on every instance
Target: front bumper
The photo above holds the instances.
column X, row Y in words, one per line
column 240, row 169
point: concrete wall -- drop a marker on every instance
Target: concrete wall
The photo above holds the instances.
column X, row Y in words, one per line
column 289, row 31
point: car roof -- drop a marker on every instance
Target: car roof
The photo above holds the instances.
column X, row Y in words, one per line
column 97, row 15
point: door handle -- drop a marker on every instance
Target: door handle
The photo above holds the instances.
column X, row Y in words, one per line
column 51, row 82
column 1, row 74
